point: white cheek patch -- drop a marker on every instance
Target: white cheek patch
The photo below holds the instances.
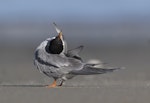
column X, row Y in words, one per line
column 64, row 47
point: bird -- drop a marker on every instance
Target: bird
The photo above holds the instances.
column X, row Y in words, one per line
column 53, row 58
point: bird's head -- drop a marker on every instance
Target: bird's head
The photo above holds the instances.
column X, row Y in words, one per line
column 56, row 45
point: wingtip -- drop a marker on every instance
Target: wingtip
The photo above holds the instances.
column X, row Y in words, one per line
column 121, row 68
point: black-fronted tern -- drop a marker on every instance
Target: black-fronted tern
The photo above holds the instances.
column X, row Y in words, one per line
column 54, row 60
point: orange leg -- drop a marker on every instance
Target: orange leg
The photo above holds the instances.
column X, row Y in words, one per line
column 53, row 85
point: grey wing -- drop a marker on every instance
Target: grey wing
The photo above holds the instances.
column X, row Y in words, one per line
column 89, row 70
column 75, row 52
column 74, row 64
column 50, row 71
column 60, row 63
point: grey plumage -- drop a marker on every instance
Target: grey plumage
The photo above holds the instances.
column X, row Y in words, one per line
column 65, row 65
column 53, row 64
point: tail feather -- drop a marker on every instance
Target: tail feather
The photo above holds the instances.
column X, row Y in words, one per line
column 92, row 70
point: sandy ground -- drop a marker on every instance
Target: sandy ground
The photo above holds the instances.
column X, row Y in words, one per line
column 131, row 85
column 110, row 94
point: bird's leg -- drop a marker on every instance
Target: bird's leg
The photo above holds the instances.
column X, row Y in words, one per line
column 53, row 85
column 61, row 82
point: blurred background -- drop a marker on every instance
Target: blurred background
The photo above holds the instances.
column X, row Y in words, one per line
column 116, row 32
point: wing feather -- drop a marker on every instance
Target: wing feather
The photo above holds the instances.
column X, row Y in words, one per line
column 74, row 53
column 88, row 70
